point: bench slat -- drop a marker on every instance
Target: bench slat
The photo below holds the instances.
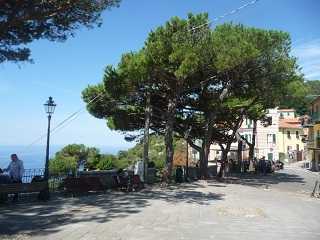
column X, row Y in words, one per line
column 22, row 187
column 83, row 184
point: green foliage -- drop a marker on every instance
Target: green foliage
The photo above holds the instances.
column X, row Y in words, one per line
column 313, row 87
column 24, row 21
column 62, row 165
column 106, row 162
column 200, row 79
column 68, row 157
column 168, row 63
column 300, row 94
column 157, row 152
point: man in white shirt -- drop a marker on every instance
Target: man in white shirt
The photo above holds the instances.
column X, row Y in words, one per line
column 15, row 169
column 139, row 169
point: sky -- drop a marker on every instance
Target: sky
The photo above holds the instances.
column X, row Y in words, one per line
column 63, row 70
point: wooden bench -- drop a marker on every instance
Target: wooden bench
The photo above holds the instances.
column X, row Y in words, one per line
column 75, row 185
column 13, row 188
column 129, row 183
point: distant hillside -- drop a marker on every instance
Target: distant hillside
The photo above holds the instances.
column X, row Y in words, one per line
column 156, row 152
column 300, row 96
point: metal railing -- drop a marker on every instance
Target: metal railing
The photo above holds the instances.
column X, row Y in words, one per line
column 55, row 181
column 29, row 174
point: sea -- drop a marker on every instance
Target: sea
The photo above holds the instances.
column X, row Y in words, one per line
column 34, row 157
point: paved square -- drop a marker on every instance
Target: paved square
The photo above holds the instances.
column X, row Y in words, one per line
column 246, row 209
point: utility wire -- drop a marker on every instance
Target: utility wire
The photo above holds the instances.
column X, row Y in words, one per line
column 74, row 115
column 65, row 120
column 234, row 11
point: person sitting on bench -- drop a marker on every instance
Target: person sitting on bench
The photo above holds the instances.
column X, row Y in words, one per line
column 16, row 171
column 4, row 178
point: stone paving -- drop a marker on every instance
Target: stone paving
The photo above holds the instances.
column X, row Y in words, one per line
column 245, row 209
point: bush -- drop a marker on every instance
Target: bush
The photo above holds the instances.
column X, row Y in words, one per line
column 62, row 165
column 106, row 162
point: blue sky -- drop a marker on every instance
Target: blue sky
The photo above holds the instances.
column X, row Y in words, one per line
column 63, row 70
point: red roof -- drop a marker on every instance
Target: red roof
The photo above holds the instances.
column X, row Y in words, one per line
column 290, row 123
column 286, row 110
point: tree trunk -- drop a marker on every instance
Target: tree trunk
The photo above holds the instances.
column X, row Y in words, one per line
column 253, row 144
column 169, row 136
column 206, row 143
column 146, row 137
column 204, row 154
column 224, row 158
column 239, row 156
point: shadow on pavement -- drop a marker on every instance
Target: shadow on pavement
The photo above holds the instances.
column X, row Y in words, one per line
column 257, row 180
column 45, row 218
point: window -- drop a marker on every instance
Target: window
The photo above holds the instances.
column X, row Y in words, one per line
column 297, row 135
column 298, row 149
column 217, row 152
column 246, row 136
column 281, row 115
column 271, row 138
column 288, row 134
column 248, row 122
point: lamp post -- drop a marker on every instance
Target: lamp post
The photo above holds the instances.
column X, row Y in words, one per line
column 49, row 107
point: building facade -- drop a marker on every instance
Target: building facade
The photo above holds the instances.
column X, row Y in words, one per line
column 314, row 134
column 266, row 139
column 290, row 136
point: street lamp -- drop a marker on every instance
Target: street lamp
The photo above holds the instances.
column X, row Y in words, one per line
column 49, row 107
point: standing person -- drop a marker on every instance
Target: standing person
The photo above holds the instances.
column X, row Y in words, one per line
column 139, row 170
column 231, row 165
column 264, row 165
column 164, row 178
column 227, row 168
column 255, row 165
column 179, row 174
column 251, row 166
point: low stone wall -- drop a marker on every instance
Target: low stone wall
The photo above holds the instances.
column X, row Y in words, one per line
column 107, row 176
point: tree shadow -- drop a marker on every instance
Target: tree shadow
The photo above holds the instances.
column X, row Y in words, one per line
column 258, row 180
column 46, row 218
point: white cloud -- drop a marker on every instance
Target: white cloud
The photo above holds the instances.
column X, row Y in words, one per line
column 308, row 54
